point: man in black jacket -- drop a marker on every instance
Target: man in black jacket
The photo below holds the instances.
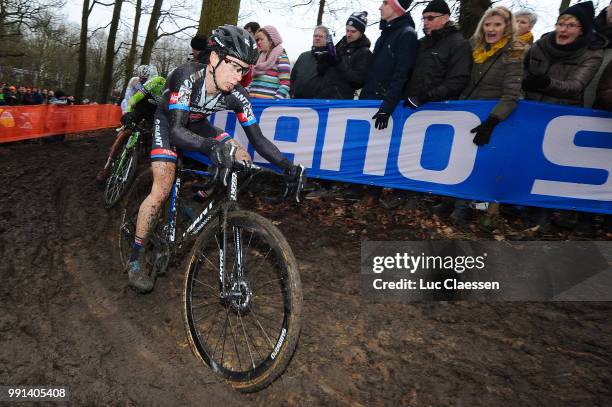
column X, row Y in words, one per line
column 393, row 59
column 444, row 60
column 391, row 63
column 442, row 70
column 305, row 79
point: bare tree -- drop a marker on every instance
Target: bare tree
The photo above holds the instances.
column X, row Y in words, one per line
column 107, row 74
column 470, row 13
column 151, row 32
column 82, row 72
column 217, row 12
column 17, row 15
column 131, row 58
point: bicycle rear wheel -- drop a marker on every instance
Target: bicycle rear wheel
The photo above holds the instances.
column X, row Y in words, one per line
column 250, row 336
column 122, row 174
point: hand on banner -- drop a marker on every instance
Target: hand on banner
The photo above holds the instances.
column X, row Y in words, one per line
column 381, row 120
column 484, row 131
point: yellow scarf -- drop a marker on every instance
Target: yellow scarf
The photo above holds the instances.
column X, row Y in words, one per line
column 480, row 55
column 527, row 37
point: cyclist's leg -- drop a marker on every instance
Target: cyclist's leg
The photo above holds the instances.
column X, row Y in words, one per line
column 163, row 177
column 163, row 164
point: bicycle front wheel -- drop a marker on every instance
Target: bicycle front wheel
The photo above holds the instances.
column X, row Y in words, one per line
column 249, row 334
column 122, row 174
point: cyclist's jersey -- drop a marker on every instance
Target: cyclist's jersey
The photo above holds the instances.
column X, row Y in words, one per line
column 151, row 91
column 184, row 105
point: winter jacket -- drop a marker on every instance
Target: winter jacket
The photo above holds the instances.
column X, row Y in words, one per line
column 305, row 80
column 604, row 90
column 393, row 59
column 570, row 69
column 343, row 76
column 443, row 66
column 499, row 77
column 602, row 27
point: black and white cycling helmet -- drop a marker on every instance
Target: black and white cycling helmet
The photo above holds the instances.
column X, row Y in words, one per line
column 146, row 71
column 236, row 42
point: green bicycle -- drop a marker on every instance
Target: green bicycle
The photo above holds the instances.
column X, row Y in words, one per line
column 123, row 169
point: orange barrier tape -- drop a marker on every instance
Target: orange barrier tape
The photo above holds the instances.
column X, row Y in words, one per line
column 26, row 122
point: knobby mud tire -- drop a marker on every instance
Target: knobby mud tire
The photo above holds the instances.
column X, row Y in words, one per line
column 277, row 354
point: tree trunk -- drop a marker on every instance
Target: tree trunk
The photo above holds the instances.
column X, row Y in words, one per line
column 151, row 39
column 470, row 12
column 79, row 87
column 131, row 58
column 107, row 75
column 217, row 12
column 320, row 13
column 564, row 4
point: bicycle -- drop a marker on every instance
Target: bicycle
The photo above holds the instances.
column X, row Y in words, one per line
column 255, row 304
column 123, row 168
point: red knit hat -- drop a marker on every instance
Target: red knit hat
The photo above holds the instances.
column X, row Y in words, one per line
column 400, row 6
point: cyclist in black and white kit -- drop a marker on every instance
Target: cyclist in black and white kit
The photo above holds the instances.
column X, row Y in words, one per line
column 193, row 92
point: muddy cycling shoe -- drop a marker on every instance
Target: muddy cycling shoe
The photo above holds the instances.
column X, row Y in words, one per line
column 139, row 280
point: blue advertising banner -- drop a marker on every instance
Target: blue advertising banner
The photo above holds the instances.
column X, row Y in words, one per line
column 542, row 155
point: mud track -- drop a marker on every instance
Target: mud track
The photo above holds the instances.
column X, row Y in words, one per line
column 68, row 319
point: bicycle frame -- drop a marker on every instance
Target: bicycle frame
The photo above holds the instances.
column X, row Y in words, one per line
column 215, row 207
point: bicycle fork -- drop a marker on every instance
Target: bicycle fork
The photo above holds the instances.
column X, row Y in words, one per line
column 233, row 287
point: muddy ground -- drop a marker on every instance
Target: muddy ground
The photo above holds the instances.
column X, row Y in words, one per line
column 67, row 317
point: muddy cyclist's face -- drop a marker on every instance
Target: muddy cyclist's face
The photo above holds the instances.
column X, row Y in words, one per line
column 229, row 72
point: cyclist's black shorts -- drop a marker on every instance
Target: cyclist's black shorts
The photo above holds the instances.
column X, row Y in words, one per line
column 162, row 148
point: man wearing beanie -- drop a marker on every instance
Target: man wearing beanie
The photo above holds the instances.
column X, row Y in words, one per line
column 444, row 59
column 442, row 70
column 393, row 59
column 391, row 63
column 343, row 71
column 346, row 71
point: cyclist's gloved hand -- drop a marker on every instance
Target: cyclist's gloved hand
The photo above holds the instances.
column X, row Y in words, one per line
column 484, row 131
column 221, row 155
column 295, row 177
column 127, row 118
column 381, row 120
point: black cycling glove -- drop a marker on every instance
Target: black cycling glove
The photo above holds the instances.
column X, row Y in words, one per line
column 221, row 155
column 127, row 118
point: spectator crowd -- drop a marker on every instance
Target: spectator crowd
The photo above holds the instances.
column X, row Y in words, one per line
column 502, row 60
column 11, row 95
